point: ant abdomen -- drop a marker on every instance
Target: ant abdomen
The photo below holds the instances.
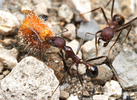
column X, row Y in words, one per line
column 92, row 71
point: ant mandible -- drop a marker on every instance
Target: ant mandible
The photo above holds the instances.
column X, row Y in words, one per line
column 116, row 25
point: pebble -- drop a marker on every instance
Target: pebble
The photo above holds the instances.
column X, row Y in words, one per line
column 81, row 6
column 1, row 77
column 41, row 8
column 65, row 12
column 85, row 93
column 90, row 27
column 112, row 88
column 72, row 97
column 6, row 72
column 125, row 94
column 8, row 41
column 30, row 79
column 71, row 33
column 64, row 94
column 8, row 57
column 9, row 24
column 90, row 85
column 1, row 3
column 63, row 86
column 104, row 74
column 47, row 2
column 1, row 67
column 100, row 97
column 125, row 64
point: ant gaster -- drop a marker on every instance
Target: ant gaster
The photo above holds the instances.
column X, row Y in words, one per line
column 116, row 25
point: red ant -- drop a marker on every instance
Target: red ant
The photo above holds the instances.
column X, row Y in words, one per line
column 59, row 42
column 116, row 25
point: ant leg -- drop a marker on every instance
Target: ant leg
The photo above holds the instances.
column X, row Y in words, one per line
column 129, row 22
column 95, row 10
column 96, row 42
column 61, row 81
column 115, row 42
column 127, row 34
column 130, row 27
column 95, row 58
column 80, row 79
column 112, row 8
column 83, row 41
column 108, row 3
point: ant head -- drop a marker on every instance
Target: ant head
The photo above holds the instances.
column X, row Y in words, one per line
column 92, row 71
column 119, row 19
column 56, row 42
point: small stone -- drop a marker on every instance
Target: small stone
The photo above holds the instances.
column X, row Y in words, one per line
column 6, row 72
column 81, row 6
column 64, row 94
column 41, row 8
column 90, row 85
column 1, row 3
column 71, row 33
column 1, row 77
column 90, row 27
column 8, row 57
column 65, row 12
column 30, row 79
column 100, row 97
column 125, row 94
column 9, row 24
column 104, row 73
column 1, row 67
column 72, row 97
column 112, row 98
column 63, row 86
column 125, row 65
column 8, row 41
column 112, row 88
column 85, row 93
column 47, row 2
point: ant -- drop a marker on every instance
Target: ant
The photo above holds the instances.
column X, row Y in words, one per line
column 37, row 34
column 116, row 25
column 59, row 42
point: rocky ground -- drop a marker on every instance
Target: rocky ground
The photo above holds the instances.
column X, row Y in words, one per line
column 27, row 76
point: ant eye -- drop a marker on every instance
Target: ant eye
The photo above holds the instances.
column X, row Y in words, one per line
column 121, row 22
column 44, row 17
column 114, row 18
column 92, row 71
column 56, row 45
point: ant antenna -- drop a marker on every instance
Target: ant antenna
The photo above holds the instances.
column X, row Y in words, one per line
column 37, row 35
column 62, row 32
